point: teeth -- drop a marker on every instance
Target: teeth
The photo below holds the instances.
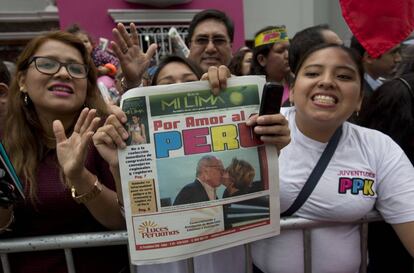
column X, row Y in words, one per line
column 324, row 99
column 61, row 88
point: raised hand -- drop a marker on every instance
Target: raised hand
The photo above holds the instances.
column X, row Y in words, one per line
column 217, row 77
column 72, row 151
column 109, row 138
column 133, row 60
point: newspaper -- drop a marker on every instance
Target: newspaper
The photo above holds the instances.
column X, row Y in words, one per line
column 11, row 187
column 172, row 129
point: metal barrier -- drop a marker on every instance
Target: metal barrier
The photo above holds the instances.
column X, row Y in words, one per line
column 69, row 241
column 65, row 242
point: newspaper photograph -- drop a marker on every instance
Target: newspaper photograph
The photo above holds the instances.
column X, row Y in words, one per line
column 195, row 178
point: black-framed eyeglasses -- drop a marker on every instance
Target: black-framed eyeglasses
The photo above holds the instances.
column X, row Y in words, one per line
column 216, row 40
column 51, row 66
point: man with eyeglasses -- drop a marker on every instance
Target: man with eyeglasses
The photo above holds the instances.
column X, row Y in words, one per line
column 209, row 176
column 210, row 38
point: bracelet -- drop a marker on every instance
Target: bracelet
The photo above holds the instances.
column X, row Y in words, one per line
column 6, row 227
column 86, row 197
column 124, row 85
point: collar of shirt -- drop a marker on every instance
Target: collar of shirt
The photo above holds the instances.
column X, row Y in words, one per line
column 211, row 192
column 372, row 82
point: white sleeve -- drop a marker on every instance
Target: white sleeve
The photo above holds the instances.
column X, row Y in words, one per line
column 395, row 178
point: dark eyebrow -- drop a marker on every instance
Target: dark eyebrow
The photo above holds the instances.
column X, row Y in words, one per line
column 189, row 74
column 69, row 60
column 208, row 36
column 168, row 77
column 350, row 68
column 312, row 65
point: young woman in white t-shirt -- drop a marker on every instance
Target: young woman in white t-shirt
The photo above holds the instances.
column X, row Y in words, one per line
column 367, row 170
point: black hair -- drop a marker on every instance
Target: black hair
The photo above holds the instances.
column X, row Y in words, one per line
column 211, row 14
column 303, row 40
column 4, row 74
column 257, row 68
column 356, row 45
column 390, row 109
column 175, row 58
column 351, row 53
column 236, row 62
column 75, row 29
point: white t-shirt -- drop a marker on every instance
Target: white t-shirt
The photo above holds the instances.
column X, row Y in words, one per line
column 368, row 169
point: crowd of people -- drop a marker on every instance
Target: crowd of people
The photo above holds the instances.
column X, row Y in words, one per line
column 62, row 138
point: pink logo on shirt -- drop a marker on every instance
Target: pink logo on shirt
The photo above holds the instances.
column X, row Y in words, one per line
column 356, row 185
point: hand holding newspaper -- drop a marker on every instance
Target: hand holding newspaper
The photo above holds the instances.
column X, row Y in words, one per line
column 195, row 178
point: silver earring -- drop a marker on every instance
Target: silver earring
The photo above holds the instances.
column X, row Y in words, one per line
column 26, row 99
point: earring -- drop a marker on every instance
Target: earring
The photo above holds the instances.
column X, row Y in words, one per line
column 357, row 113
column 26, row 99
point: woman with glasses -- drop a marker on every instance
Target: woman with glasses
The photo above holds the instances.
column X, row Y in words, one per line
column 54, row 108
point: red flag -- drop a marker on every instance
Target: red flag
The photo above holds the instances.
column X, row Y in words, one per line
column 379, row 25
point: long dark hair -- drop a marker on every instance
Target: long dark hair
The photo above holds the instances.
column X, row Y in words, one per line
column 24, row 137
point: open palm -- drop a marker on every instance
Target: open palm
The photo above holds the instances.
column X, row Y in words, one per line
column 72, row 151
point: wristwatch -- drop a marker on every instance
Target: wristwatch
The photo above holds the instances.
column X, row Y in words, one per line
column 86, row 197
